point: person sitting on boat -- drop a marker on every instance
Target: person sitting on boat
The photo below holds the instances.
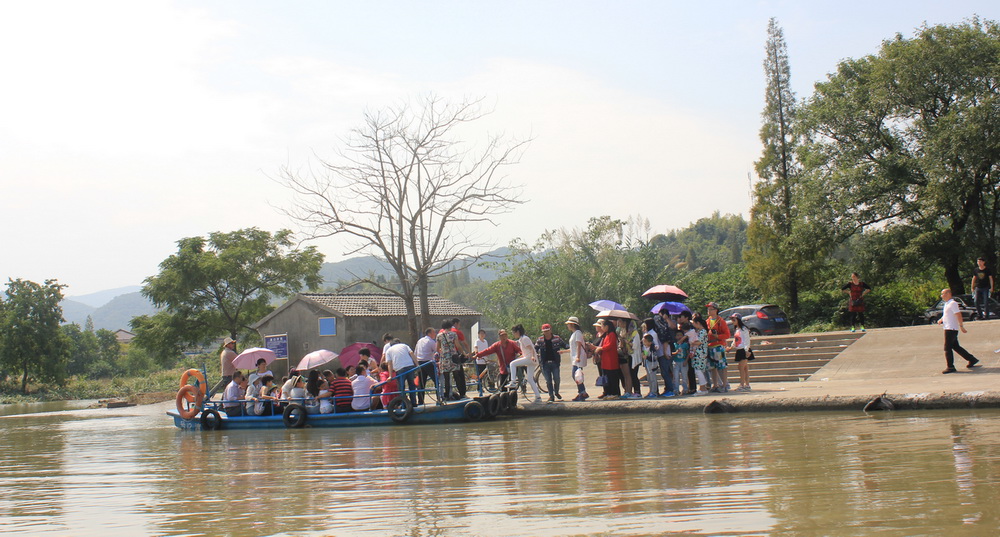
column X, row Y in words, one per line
column 506, row 350
column 234, row 394
column 362, row 385
column 252, row 395
column 266, row 399
column 260, row 371
column 297, row 393
column 319, row 390
column 402, row 364
column 390, row 386
column 342, row 391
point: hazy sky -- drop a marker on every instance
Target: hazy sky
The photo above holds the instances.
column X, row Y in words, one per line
column 125, row 126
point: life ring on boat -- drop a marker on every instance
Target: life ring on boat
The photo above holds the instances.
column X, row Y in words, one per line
column 210, row 419
column 294, row 416
column 473, row 411
column 199, row 377
column 400, row 415
column 493, row 406
column 188, row 401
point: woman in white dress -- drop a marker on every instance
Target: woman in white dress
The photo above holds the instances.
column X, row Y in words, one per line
column 528, row 359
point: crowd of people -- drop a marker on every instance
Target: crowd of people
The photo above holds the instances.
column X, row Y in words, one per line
column 682, row 354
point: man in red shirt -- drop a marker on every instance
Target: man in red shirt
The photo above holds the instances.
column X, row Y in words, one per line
column 718, row 333
column 506, row 350
column 343, row 391
column 456, row 327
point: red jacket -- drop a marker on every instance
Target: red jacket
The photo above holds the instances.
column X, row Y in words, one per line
column 722, row 331
column 609, row 351
column 506, row 351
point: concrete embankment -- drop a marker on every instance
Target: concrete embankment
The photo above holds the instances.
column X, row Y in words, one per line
column 903, row 363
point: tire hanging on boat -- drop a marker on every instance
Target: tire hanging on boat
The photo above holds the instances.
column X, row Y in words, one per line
column 504, row 402
column 188, row 401
column 473, row 411
column 393, row 408
column 493, row 406
column 210, row 419
column 513, row 399
column 294, row 416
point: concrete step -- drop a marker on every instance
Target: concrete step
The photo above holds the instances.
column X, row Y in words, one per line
column 784, row 351
column 787, row 364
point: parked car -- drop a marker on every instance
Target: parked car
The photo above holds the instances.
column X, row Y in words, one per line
column 966, row 305
column 766, row 319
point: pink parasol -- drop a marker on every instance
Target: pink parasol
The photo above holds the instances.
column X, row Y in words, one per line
column 349, row 355
column 666, row 293
column 248, row 358
column 315, row 359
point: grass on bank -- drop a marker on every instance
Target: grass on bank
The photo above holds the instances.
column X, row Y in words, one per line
column 84, row 388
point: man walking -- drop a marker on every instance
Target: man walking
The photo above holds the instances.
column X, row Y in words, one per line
column 982, row 287
column 951, row 319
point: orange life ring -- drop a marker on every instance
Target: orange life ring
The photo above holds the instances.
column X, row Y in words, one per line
column 188, row 401
column 199, row 377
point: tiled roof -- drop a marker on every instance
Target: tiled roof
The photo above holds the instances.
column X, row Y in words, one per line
column 385, row 305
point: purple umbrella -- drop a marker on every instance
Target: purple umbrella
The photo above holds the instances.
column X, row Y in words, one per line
column 673, row 308
column 601, row 305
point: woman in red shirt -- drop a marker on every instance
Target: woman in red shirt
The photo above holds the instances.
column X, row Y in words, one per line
column 607, row 358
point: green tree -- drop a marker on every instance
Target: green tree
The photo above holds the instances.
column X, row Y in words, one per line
column 31, row 341
column 910, row 137
column 83, row 349
column 220, row 286
column 781, row 252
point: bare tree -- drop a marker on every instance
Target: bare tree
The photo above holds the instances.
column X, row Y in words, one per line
column 406, row 189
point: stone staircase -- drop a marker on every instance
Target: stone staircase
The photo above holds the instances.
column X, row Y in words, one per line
column 793, row 357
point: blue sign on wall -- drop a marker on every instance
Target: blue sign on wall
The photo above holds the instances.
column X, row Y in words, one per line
column 327, row 326
column 277, row 343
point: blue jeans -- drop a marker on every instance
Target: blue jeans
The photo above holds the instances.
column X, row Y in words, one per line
column 410, row 377
column 666, row 366
column 580, row 388
column 551, row 372
column 983, row 302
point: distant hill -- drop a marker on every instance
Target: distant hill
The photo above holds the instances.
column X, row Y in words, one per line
column 346, row 270
column 111, row 316
column 100, row 298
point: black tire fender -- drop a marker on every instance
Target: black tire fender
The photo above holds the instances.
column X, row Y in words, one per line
column 400, row 415
column 294, row 416
column 210, row 419
column 493, row 406
column 473, row 411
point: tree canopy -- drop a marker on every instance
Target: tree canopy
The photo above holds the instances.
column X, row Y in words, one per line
column 221, row 285
column 31, row 341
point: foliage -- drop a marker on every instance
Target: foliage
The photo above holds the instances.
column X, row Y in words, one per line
column 221, row 286
column 78, row 387
column 31, row 341
column 408, row 190
column 708, row 245
column 910, row 137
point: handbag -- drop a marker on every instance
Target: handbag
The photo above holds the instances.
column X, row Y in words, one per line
column 750, row 355
column 459, row 358
column 602, row 380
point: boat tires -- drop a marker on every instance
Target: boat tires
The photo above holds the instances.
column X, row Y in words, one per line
column 513, row 399
column 474, row 411
column 493, row 406
column 210, row 419
column 294, row 416
column 400, row 409
column 505, row 402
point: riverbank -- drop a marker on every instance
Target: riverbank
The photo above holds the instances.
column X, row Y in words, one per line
column 903, row 363
column 151, row 388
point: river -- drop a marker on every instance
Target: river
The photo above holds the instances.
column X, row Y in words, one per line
column 130, row 472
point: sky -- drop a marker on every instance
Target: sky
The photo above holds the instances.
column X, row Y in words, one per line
column 127, row 126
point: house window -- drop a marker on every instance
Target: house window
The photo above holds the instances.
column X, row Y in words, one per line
column 327, row 326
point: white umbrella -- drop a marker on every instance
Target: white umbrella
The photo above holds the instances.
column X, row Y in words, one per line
column 315, row 359
column 248, row 358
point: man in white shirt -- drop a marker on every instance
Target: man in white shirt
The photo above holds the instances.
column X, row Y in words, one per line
column 233, row 394
column 951, row 320
column 362, row 385
column 402, row 362
column 426, row 348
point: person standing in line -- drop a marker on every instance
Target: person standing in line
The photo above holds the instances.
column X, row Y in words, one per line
column 741, row 344
column 982, row 286
column 402, row 365
column 578, row 357
column 856, row 290
column 528, row 359
column 425, row 351
column 460, row 342
column 226, row 367
column 481, row 365
column 548, row 346
column 652, row 365
column 607, row 357
column 665, row 328
column 699, row 356
column 718, row 333
column 952, row 322
column 625, row 358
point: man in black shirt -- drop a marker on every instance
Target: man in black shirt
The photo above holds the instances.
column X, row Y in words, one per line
column 982, row 286
column 548, row 346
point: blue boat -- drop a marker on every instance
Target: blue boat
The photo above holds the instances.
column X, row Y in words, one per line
column 193, row 412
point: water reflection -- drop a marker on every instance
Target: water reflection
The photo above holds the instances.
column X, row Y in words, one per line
column 794, row 474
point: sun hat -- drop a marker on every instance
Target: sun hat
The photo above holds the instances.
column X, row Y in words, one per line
column 227, row 341
column 573, row 320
